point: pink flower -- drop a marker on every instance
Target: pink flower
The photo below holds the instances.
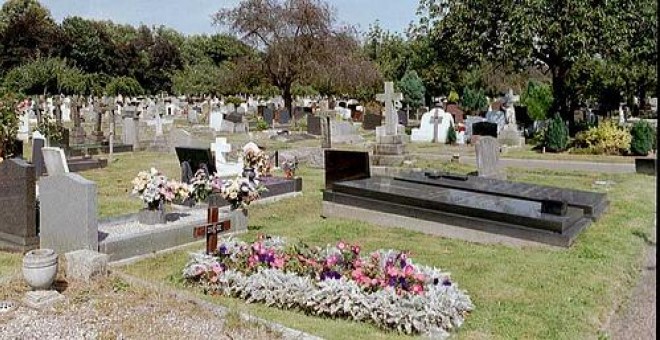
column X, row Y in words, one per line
column 420, row 277
column 408, row 270
column 331, row 261
column 392, row 271
column 214, row 279
column 357, row 274
column 217, row 268
column 278, row 263
column 356, row 249
column 374, row 282
column 341, row 245
column 418, row 289
column 358, row 263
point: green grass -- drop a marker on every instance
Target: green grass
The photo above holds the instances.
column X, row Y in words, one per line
column 9, row 264
column 519, row 293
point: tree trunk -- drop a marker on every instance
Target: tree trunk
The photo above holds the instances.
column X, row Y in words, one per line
column 288, row 102
column 561, row 97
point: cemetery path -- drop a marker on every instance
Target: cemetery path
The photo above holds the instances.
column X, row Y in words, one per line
column 636, row 319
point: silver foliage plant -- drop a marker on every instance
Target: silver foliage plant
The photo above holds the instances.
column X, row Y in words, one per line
column 436, row 312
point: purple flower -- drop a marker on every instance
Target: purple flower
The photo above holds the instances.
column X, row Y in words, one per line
column 403, row 283
column 403, row 263
column 446, row 282
column 330, row 275
column 222, row 249
column 391, row 282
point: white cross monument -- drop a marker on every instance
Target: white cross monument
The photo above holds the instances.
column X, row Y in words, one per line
column 222, row 167
column 391, row 116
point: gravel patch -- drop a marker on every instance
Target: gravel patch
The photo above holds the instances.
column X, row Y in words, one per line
column 113, row 309
column 121, row 228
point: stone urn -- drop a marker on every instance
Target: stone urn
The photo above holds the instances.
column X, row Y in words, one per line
column 40, row 268
column 153, row 214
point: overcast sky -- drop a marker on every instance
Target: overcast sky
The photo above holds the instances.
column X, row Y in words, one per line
column 194, row 16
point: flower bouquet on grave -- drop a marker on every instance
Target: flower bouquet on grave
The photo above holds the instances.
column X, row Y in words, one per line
column 257, row 160
column 200, row 186
column 154, row 189
column 239, row 192
column 290, row 166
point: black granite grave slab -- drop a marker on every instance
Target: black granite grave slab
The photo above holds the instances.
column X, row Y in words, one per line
column 592, row 203
column 479, row 211
column 345, row 165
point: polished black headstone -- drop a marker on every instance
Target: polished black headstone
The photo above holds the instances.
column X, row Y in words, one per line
column 484, row 129
column 268, row 115
column 197, row 158
column 285, row 117
column 234, row 117
column 345, row 166
column 646, row 166
column 592, row 203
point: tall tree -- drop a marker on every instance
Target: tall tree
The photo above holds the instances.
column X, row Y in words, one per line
column 291, row 34
column 88, row 45
column 27, row 31
column 554, row 34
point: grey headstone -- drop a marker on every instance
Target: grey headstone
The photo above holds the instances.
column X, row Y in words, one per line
column 488, row 156
column 18, row 228
column 344, row 132
column 497, row 117
column 285, row 117
column 268, row 115
column 314, row 125
column 403, row 117
column 37, row 156
column 55, row 161
column 372, row 121
column 68, row 218
column 128, row 130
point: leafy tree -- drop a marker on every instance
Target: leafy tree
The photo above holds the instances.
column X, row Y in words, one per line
column 44, row 76
column 88, row 45
column 27, row 31
column 474, row 100
column 556, row 136
column 550, row 34
column 642, row 138
column 291, row 35
column 204, row 78
column 391, row 52
column 125, row 86
column 8, row 124
column 452, row 97
column 451, row 135
column 412, row 88
column 538, row 99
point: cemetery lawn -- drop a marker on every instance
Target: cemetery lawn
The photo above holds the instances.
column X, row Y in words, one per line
column 519, row 293
column 10, row 264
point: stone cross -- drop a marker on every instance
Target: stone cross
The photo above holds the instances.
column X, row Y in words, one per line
column 211, row 229
column 391, row 116
column 436, row 120
column 158, row 122
column 220, row 147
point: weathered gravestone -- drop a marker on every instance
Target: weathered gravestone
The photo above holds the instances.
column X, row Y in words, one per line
column 38, row 142
column 488, row 157
column 372, row 121
column 314, row 125
column 18, row 224
column 344, row 132
column 55, row 161
column 403, row 117
column 497, row 117
column 268, row 115
column 285, row 117
column 68, row 219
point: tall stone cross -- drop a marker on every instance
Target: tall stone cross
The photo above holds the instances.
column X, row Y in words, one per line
column 391, row 117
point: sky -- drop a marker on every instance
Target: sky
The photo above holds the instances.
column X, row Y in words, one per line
column 194, row 16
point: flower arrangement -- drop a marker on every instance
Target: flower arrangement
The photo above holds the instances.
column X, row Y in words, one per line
column 200, row 186
column 257, row 160
column 239, row 192
column 384, row 287
column 290, row 166
column 154, row 188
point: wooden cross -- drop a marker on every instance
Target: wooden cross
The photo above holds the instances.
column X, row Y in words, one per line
column 211, row 229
